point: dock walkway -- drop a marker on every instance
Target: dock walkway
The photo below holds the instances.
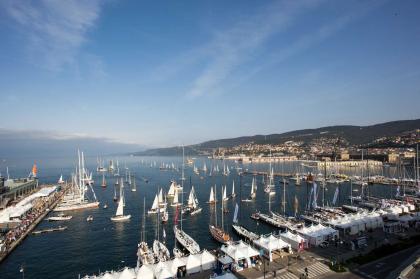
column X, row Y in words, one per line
column 50, row 205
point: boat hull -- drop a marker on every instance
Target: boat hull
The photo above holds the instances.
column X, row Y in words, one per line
column 121, row 218
column 77, row 206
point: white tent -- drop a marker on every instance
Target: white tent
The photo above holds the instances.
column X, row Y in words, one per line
column 145, row 272
column 294, row 240
column 240, row 251
column 193, row 264
column 317, row 234
column 208, row 260
column 109, row 275
column 127, row 273
column 161, row 270
column 227, row 275
column 270, row 243
column 176, row 263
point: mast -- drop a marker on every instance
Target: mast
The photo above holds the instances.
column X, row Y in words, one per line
column 215, row 204
column 284, row 197
column 222, row 211
column 143, row 235
column 367, row 170
column 417, row 167
column 240, row 197
column 325, row 182
column 182, row 201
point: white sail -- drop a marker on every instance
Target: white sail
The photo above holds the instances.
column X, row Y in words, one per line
column 253, row 187
column 224, row 194
column 191, row 197
column 211, row 199
column 235, row 216
column 155, row 204
column 171, row 191
column 160, row 196
column 120, row 208
column 233, row 188
column 61, row 181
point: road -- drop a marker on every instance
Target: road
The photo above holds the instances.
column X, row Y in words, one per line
column 381, row 268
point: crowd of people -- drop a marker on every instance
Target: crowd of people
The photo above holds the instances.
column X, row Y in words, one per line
column 26, row 220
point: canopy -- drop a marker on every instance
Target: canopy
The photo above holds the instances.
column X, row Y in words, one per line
column 239, row 250
column 176, row 263
column 193, row 263
column 227, row 276
column 271, row 243
column 109, row 275
column 145, row 272
column 128, row 273
column 207, row 260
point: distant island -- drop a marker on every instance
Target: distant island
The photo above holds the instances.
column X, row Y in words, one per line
column 307, row 142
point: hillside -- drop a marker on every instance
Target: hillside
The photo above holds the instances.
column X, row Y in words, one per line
column 354, row 135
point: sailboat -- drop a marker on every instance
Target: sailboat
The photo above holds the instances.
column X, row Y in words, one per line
column 183, row 238
column 155, row 206
column 60, row 181
column 241, row 230
column 172, row 189
column 162, row 202
column 205, row 168
column 253, row 193
column 175, row 202
column 192, row 206
column 103, row 180
column 119, row 215
column 115, row 192
column 186, row 241
column 144, row 255
column 233, row 190
column 75, row 198
column 269, row 189
column 216, row 232
column 225, row 198
column 160, row 251
column 212, row 199
column 134, row 186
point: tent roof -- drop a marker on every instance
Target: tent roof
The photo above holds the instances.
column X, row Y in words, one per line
column 145, row 272
column 127, row 273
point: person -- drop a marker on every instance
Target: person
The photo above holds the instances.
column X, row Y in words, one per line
column 306, row 272
column 275, row 273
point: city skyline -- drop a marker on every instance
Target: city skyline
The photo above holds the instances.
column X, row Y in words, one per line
column 183, row 73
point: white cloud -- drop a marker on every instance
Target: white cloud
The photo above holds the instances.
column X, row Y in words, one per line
column 55, row 30
column 236, row 45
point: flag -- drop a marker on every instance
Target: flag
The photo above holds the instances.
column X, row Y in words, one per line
column 176, row 216
column 164, row 234
column 398, row 191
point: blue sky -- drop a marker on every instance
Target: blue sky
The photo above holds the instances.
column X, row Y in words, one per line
column 163, row 73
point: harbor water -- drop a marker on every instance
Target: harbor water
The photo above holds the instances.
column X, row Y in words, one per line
column 91, row 247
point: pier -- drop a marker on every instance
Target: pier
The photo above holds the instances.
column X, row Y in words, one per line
column 281, row 174
column 46, row 209
column 59, row 228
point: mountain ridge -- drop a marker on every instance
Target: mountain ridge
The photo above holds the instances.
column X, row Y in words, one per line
column 353, row 134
